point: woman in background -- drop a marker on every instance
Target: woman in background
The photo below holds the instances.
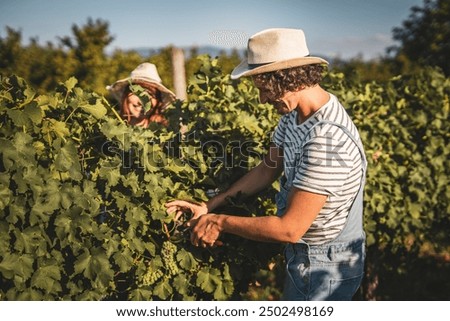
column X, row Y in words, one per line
column 133, row 103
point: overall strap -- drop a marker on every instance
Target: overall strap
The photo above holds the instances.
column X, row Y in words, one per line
column 353, row 228
column 349, row 134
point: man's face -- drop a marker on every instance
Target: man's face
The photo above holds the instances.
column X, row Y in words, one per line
column 280, row 104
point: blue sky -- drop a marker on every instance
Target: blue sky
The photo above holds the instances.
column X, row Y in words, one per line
column 342, row 28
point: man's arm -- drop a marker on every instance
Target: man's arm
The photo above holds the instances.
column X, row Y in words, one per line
column 255, row 180
column 302, row 209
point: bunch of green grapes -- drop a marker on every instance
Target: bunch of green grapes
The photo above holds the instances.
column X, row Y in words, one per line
column 168, row 256
column 151, row 276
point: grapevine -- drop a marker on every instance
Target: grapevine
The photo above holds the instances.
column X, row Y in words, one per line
column 82, row 193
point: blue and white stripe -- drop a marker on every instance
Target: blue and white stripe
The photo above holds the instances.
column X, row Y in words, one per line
column 321, row 158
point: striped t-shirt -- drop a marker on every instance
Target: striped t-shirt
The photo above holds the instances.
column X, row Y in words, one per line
column 329, row 164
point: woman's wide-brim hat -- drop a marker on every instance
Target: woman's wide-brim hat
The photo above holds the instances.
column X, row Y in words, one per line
column 146, row 75
column 275, row 49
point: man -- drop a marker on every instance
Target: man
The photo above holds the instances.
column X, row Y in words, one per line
column 317, row 148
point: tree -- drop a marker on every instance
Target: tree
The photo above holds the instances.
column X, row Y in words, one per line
column 10, row 50
column 425, row 36
column 88, row 48
column 43, row 66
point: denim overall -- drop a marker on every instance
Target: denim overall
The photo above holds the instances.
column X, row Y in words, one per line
column 330, row 271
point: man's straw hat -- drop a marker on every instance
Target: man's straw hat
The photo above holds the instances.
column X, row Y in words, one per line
column 275, row 49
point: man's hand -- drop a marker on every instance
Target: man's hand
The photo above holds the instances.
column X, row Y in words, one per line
column 205, row 230
column 180, row 207
column 203, row 226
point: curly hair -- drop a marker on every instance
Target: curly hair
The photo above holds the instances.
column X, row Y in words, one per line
column 281, row 81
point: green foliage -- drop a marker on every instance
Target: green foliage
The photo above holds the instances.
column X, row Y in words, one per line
column 402, row 124
column 423, row 40
column 424, row 36
column 83, row 55
column 402, row 127
column 41, row 66
column 82, row 196
column 379, row 70
column 88, row 50
column 82, row 193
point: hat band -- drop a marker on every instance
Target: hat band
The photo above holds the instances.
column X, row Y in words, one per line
column 253, row 66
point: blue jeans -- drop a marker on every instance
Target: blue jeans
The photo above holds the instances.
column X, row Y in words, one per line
column 330, row 272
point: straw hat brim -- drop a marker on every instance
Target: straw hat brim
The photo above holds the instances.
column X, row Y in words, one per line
column 119, row 86
column 243, row 69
